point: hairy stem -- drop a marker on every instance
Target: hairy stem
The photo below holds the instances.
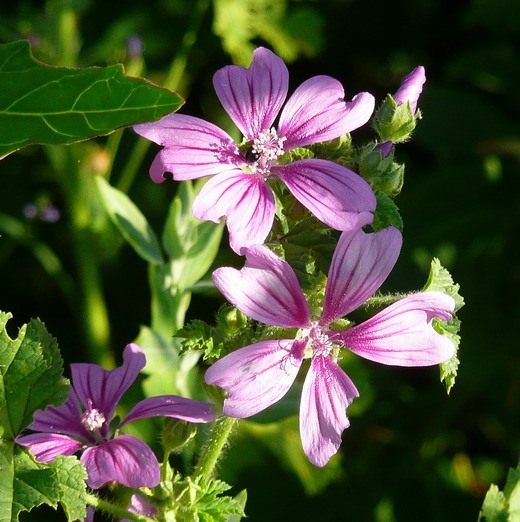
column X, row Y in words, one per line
column 214, row 446
column 115, row 510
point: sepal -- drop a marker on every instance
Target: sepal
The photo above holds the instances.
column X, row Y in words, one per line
column 381, row 171
column 394, row 122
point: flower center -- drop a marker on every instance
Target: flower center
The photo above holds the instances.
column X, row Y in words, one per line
column 319, row 341
column 92, row 419
column 266, row 148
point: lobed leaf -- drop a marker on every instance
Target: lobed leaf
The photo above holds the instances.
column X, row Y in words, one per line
column 57, row 105
column 26, row 484
column 30, row 375
column 440, row 279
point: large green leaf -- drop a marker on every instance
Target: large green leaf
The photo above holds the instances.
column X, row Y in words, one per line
column 26, row 484
column 30, row 375
column 130, row 221
column 58, row 105
column 30, row 379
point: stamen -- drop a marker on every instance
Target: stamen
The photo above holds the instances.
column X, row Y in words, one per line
column 266, row 148
column 92, row 419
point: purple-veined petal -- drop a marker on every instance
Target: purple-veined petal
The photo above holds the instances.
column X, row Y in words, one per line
column 47, row 446
column 337, row 196
column 360, row 264
column 65, row 419
column 171, row 406
column 253, row 97
column 385, row 148
column 315, row 112
column 193, row 148
column 411, row 88
column 140, row 506
column 256, row 376
column 245, row 200
column 327, row 391
column 359, row 110
column 266, row 289
column 125, row 459
column 402, row 334
column 105, row 387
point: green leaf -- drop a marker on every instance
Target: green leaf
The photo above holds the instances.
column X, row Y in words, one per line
column 239, row 23
column 440, row 280
column 130, row 222
column 503, row 506
column 30, row 375
column 212, row 506
column 167, row 370
column 57, row 105
column 387, row 213
column 191, row 244
column 26, row 484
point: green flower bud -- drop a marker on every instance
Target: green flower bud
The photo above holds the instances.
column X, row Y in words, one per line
column 394, row 122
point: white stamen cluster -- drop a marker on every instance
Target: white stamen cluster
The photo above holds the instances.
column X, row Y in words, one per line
column 318, row 341
column 267, row 147
column 92, row 420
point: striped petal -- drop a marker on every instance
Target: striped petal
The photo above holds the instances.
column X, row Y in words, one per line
column 266, row 289
column 245, row 200
column 256, row 376
column 47, row 446
column 327, row 391
column 403, row 334
column 193, row 148
column 171, row 406
column 104, row 388
column 360, row 265
column 125, row 460
column 337, row 196
column 253, row 97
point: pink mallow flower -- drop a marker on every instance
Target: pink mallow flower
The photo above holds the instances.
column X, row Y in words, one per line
column 83, row 423
column 267, row 290
column 253, row 97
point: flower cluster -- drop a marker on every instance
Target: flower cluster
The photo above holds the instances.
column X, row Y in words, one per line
column 275, row 131
column 266, row 288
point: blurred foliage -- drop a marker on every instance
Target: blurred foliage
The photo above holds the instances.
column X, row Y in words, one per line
column 460, row 203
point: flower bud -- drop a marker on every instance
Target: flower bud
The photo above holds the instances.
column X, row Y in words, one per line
column 411, row 88
column 396, row 118
column 176, row 434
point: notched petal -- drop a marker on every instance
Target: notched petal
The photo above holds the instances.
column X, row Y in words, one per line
column 327, row 391
column 256, row 376
column 403, row 334
column 125, row 460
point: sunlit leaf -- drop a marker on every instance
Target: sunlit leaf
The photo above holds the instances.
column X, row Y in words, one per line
column 26, row 484
column 30, row 374
column 130, row 221
column 57, row 105
column 440, row 280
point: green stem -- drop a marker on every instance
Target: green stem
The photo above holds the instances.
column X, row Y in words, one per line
column 115, row 510
column 172, row 81
column 79, row 191
column 212, row 450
